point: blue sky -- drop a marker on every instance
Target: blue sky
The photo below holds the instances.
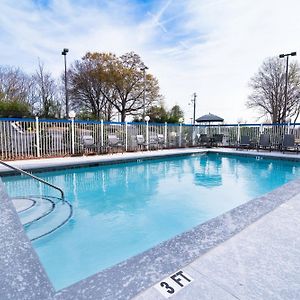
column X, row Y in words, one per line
column 211, row 47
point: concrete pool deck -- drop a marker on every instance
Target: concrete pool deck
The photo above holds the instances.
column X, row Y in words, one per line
column 260, row 262
column 249, row 252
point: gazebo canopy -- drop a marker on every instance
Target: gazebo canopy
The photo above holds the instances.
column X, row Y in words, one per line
column 209, row 118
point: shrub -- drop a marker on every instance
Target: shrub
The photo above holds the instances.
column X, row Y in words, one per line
column 14, row 109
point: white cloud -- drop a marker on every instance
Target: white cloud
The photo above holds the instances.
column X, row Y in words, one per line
column 211, row 47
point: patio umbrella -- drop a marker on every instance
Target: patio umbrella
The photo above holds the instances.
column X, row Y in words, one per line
column 209, row 118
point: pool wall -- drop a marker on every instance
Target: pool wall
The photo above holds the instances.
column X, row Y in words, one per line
column 23, row 277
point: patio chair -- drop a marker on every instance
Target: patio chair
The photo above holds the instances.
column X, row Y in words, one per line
column 173, row 140
column 153, row 141
column 88, row 144
column 114, row 143
column 245, row 142
column 204, row 140
column 160, row 141
column 288, row 142
column 217, row 139
column 264, row 142
column 141, row 142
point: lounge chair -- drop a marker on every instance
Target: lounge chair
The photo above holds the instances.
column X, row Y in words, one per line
column 264, row 142
column 245, row 142
column 288, row 142
column 277, row 142
column 114, row 143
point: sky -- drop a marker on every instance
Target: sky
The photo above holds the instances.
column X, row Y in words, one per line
column 211, row 47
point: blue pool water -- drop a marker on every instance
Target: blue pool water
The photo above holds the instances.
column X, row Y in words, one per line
column 122, row 210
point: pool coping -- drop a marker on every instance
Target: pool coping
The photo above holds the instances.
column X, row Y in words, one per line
column 134, row 275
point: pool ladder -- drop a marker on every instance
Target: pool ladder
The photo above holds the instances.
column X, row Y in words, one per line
column 34, row 228
column 35, row 177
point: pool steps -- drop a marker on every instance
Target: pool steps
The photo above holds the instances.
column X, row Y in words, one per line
column 41, row 208
column 46, row 216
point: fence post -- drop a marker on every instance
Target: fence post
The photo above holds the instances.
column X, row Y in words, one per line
column 180, row 135
column 289, row 127
column 147, row 134
column 261, row 129
column 166, row 134
column 126, row 143
column 239, row 133
column 101, row 134
column 73, row 135
column 193, row 136
column 37, row 134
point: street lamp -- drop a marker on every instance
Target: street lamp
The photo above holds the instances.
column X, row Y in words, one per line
column 64, row 53
column 72, row 114
column 286, row 79
column 144, row 68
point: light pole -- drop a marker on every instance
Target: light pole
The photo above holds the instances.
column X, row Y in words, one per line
column 194, row 109
column 64, row 53
column 144, row 68
column 286, row 79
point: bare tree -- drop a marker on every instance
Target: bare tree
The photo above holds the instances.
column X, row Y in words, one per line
column 14, row 84
column 268, row 90
column 46, row 93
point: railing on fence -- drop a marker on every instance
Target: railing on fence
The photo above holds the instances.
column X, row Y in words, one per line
column 32, row 138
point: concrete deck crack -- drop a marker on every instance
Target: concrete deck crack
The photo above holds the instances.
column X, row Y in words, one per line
column 221, row 286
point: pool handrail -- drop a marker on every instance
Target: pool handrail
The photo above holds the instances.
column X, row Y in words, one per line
column 36, row 178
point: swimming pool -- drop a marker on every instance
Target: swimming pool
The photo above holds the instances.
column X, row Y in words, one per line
column 122, row 210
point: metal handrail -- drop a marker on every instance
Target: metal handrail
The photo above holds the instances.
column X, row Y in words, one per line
column 35, row 177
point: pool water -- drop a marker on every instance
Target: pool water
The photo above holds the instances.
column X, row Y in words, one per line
column 124, row 209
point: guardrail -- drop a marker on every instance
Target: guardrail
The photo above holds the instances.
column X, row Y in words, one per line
column 33, row 138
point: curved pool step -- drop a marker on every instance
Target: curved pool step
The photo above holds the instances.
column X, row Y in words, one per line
column 42, row 215
column 60, row 214
column 21, row 204
column 42, row 207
